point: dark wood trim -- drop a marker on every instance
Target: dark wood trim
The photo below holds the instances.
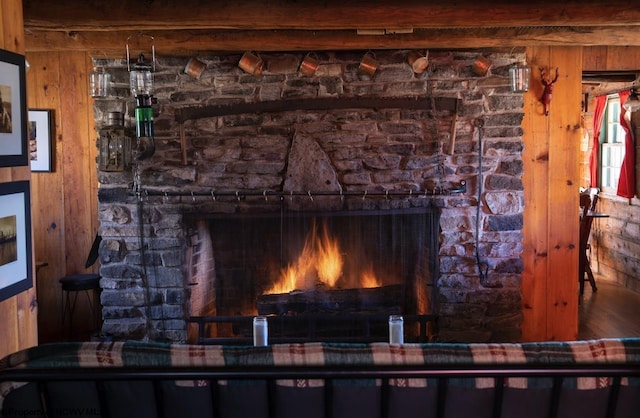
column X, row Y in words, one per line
column 96, row 15
column 188, row 42
column 198, row 112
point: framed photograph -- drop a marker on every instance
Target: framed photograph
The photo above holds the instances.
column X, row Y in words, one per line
column 15, row 239
column 40, row 143
column 13, row 111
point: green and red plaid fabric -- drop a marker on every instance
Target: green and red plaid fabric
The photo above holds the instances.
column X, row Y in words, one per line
column 139, row 354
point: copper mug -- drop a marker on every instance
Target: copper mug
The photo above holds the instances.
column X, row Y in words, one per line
column 195, row 68
column 368, row 65
column 481, row 65
column 251, row 63
column 417, row 61
column 309, row 65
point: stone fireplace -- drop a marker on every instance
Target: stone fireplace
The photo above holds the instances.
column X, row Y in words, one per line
column 234, row 148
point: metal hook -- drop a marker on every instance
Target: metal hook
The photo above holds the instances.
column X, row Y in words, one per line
column 153, row 50
column 310, row 197
column 364, row 195
column 264, row 193
column 238, row 195
column 166, row 197
column 193, row 197
column 213, row 196
column 386, row 194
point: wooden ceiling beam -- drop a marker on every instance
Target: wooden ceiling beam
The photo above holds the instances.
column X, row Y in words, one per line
column 100, row 15
column 188, row 42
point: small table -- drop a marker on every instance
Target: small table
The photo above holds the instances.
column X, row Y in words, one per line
column 584, row 264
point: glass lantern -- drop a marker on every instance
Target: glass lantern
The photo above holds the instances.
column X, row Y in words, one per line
column 141, row 78
column 114, row 145
column 99, row 82
column 519, row 76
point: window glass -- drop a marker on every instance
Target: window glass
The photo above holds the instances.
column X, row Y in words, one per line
column 612, row 141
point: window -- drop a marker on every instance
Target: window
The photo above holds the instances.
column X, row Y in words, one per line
column 612, row 140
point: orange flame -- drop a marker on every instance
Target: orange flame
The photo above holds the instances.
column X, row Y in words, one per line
column 369, row 279
column 320, row 262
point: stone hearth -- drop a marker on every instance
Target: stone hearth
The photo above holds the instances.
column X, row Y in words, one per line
column 155, row 267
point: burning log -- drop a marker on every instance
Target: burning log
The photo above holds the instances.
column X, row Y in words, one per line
column 379, row 300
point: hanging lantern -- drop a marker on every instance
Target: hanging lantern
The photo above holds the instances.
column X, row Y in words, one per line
column 141, row 78
column 141, row 85
column 519, row 76
column 114, row 145
column 99, row 82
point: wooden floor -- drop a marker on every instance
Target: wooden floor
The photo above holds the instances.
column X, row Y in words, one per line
column 611, row 312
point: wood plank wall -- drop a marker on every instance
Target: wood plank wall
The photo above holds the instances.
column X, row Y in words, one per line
column 65, row 201
column 18, row 314
column 615, row 241
column 549, row 282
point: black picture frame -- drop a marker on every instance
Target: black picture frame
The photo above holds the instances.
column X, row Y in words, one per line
column 13, row 110
column 40, row 140
column 16, row 269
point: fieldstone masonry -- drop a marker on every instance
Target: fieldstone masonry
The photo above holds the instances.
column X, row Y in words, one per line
column 145, row 213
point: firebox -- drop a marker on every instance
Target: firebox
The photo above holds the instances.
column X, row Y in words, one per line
column 333, row 263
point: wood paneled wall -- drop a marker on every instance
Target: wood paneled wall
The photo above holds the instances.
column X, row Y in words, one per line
column 65, row 214
column 18, row 327
column 551, row 182
column 615, row 241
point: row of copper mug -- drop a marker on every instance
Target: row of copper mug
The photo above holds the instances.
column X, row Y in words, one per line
column 252, row 63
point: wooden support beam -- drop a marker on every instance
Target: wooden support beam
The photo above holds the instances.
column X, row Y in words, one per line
column 189, row 42
column 97, row 15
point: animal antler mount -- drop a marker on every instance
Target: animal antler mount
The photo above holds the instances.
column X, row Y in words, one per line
column 548, row 89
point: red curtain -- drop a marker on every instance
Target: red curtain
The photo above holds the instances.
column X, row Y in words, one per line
column 598, row 114
column 627, row 181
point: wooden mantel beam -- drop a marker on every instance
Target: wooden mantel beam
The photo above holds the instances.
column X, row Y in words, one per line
column 187, row 42
column 99, row 15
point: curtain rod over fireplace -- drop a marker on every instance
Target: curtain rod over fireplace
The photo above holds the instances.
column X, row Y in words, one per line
column 460, row 188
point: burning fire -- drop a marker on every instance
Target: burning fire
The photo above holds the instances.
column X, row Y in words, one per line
column 369, row 279
column 321, row 262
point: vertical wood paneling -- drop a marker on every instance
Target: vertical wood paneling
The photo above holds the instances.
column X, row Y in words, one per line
column 536, row 180
column 48, row 212
column 551, row 160
column 77, row 151
column 18, row 315
column 65, row 200
column 564, row 161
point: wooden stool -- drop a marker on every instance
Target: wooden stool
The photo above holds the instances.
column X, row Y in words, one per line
column 77, row 283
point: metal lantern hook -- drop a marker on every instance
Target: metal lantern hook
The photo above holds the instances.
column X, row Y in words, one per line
column 153, row 50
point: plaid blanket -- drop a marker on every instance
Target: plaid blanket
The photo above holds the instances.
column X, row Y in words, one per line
column 138, row 354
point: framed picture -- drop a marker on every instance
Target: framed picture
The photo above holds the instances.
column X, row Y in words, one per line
column 40, row 144
column 13, row 111
column 15, row 239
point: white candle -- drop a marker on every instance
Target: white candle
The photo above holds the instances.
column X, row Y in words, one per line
column 396, row 329
column 260, row 331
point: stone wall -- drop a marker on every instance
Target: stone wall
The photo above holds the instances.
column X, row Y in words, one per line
column 143, row 212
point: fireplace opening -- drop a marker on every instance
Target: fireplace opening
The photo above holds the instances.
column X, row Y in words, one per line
column 335, row 263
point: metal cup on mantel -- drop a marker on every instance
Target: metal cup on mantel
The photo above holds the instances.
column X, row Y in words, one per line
column 368, row 64
column 195, row 68
column 418, row 61
column 251, row 63
column 309, row 65
column 481, row 65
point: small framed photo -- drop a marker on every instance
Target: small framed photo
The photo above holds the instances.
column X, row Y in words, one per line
column 40, row 140
column 13, row 111
column 16, row 270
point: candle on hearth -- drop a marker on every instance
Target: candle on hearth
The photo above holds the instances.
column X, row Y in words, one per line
column 396, row 329
column 260, row 331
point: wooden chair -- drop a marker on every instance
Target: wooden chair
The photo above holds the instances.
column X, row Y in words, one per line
column 588, row 201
